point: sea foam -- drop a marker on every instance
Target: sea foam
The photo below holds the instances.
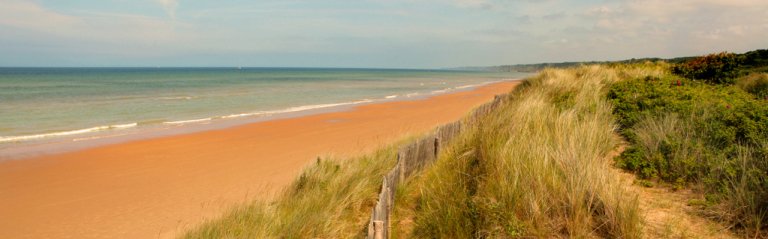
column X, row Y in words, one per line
column 297, row 109
column 188, row 121
column 65, row 133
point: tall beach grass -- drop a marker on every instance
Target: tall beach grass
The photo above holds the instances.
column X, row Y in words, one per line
column 536, row 167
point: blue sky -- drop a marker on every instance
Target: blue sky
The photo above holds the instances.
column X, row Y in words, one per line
column 370, row 33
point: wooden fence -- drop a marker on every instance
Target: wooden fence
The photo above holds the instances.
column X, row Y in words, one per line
column 413, row 157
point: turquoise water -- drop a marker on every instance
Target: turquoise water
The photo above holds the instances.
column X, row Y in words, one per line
column 62, row 103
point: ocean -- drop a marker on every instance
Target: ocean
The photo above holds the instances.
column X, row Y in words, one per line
column 49, row 105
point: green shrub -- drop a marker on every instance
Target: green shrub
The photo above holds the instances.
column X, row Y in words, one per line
column 685, row 132
column 756, row 84
column 756, row 61
column 728, row 114
column 719, row 68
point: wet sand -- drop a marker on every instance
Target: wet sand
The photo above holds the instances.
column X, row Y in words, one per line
column 159, row 187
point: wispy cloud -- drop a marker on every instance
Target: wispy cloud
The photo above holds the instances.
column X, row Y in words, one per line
column 170, row 7
column 30, row 16
column 101, row 33
column 484, row 4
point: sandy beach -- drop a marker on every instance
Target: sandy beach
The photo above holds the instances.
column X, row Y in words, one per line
column 156, row 188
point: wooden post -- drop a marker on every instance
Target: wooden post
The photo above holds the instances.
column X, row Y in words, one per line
column 437, row 146
column 401, row 164
column 388, row 209
column 378, row 229
column 370, row 224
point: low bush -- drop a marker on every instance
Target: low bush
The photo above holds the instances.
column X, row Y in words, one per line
column 719, row 68
column 756, row 84
column 756, row 61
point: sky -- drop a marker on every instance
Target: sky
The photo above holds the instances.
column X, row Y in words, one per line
column 370, row 33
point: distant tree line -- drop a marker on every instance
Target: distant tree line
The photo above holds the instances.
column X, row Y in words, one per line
column 753, row 61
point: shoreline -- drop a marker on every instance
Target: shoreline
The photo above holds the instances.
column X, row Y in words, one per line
column 97, row 136
column 161, row 186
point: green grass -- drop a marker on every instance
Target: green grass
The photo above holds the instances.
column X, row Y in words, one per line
column 536, row 167
column 331, row 199
column 709, row 137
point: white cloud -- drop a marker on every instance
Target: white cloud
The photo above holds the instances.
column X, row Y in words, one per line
column 684, row 26
column 484, row 4
column 107, row 33
column 170, row 7
column 28, row 15
column 602, row 10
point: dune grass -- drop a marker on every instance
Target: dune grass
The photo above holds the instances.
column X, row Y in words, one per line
column 536, row 167
column 331, row 199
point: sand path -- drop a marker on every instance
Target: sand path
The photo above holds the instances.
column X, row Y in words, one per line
column 155, row 188
column 665, row 212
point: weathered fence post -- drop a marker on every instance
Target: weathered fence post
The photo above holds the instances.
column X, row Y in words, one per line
column 378, row 229
column 370, row 224
column 401, row 164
